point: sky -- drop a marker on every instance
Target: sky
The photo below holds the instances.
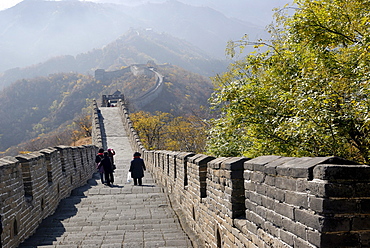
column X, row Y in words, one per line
column 236, row 8
column 4, row 4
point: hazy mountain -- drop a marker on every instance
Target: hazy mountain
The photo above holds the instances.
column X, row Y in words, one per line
column 36, row 30
column 137, row 46
column 257, row 12
column 34, row 108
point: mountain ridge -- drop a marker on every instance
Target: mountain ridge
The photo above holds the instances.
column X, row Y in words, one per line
column 134, row 47
column 69, row 28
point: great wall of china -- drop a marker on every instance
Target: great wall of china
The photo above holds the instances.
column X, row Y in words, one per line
column 268, row 201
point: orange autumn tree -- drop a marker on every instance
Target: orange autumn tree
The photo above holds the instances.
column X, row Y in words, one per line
column 163, row 131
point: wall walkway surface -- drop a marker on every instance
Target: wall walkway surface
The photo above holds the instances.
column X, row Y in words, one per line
column 268, row 201
column 96, row 215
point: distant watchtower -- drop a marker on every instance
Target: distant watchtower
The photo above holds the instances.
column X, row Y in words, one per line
column 99, row 74
column 111, row 100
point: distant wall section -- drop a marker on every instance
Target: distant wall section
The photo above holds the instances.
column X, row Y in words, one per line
column 147, row 97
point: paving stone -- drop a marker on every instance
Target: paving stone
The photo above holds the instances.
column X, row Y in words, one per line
column 107, row 217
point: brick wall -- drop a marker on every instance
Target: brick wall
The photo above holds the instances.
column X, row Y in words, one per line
column 96, row 124
column 268, row 201
column 32, row 185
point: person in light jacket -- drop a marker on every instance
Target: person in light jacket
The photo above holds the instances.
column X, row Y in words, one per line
column 137, row 168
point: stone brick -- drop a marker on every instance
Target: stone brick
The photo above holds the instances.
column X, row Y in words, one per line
column 316, row 204
column 249, row 185
column 250, row 228
column 234, row 164
column 297, row 229
column 261, row 189
column 279, row 195
column 274, row 218
column 200, row 159
column 300, row 243
column 329, row 240
column 364, row 205
column 258, row 177
column 256, row 198
column 309, row 218
column 302, row 185
column 270, row 168
column 360, row 223
column 314, row 237
column 284, row 210
column 271, row 229
column 268, row 202
column 286, row 183
column 216, row 163
column 365, row 238
column 254, row 218
column 249, row 205
column 259, row 162
column 247, row 174
column 270, row 180
column 296, row 199
column 287, row 237
column 342, row 172
column 339, row 190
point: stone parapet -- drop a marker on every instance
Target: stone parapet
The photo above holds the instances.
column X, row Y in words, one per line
column 268, row 201
column 96, row 134
column 32, row 185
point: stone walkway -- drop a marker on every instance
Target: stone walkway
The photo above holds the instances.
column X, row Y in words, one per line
column 124, row 215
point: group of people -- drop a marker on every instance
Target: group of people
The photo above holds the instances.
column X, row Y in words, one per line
column 105, row 165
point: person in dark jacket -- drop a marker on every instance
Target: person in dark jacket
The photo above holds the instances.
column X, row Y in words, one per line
column 137, row 168
column 1, row 231
column 108, row 171
column 99, row 157
column 111, row 153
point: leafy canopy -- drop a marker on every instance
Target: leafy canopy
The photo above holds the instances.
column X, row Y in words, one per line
column 163, row 131
column 307, row 94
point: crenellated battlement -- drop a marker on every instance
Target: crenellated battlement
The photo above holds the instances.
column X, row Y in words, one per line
column 268, row 201
column 32, row 185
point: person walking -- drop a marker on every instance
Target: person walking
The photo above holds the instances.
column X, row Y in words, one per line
column 1, row 231
column 99, row 157
column 111, row 153
column 108, row 171
column 137, row 168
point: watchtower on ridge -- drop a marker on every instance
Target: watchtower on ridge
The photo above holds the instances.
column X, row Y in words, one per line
column 111, row 100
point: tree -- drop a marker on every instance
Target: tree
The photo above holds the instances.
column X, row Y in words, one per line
column 307, row 94
column 151, row 128
column 186, row 134
column 166, row 132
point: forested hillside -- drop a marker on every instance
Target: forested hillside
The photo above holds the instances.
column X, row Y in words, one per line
column 32, row 108
column 137, row 46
